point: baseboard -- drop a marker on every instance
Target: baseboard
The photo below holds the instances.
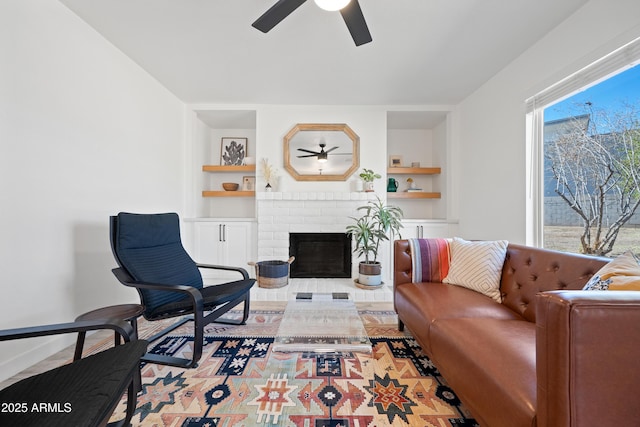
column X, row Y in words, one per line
column 45, row 348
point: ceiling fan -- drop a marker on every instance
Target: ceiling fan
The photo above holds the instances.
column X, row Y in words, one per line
column 349, row 9
column 321, row 155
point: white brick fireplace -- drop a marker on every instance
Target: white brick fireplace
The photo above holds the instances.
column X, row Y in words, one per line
column 281, row 213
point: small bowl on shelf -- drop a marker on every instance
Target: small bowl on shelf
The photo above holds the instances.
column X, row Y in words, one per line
column 230, row 186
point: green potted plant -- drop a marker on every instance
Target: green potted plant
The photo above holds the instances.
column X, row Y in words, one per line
column 378, row 222
column 368, row 175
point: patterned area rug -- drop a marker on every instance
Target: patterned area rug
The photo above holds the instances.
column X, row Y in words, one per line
column 240, row 381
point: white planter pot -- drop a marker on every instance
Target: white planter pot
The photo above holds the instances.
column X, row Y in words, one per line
column 370, row 274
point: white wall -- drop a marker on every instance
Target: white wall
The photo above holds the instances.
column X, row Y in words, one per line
column 439, row 182
column 84, row 133
column 369, row 123
column 200, row 140
column 492, row 179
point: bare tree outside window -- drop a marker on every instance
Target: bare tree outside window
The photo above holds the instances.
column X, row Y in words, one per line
column 594, row 160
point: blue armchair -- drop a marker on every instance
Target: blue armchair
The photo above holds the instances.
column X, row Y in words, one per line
column 151, row 259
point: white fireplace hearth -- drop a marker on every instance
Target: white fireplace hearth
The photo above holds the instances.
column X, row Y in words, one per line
column 288, row 292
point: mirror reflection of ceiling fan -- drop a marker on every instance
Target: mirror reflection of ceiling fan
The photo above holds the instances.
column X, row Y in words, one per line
column 321, row 155
column 349, row 9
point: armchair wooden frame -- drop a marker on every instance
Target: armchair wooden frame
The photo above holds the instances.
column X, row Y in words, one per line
column 198, row 317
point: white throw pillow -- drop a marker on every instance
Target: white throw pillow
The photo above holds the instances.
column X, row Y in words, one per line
column 477, row 266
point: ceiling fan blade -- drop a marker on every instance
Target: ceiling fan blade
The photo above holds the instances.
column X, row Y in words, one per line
column 330, row 150
column 353, row 17
column 276, row 13
column 308, row 151
column 308, row 155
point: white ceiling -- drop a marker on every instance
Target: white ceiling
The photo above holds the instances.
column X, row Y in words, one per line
column 423, row 51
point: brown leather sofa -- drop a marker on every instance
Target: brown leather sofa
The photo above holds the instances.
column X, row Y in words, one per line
column 549, row 355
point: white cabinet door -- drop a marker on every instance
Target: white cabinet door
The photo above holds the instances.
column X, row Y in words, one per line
column 432, row 229
column 207, row 238
column 239, row 244
column 410, row 230
column 229, row 243
column 424, row 229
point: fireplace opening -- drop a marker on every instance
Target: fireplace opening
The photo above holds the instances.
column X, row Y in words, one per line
column 320, row 255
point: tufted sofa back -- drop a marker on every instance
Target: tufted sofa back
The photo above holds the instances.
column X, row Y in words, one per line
column 528, row 270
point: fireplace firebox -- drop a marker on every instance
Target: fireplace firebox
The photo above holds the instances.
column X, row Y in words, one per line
column 320, row 255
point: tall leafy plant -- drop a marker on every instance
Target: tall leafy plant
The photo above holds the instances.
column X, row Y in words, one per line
column 378, row 222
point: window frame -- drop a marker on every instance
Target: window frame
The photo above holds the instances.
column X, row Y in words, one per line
column 604, row 68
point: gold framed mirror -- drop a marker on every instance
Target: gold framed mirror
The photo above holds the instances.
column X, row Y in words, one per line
column 321, row 152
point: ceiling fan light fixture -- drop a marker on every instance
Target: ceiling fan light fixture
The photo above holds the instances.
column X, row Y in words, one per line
column 332, row 5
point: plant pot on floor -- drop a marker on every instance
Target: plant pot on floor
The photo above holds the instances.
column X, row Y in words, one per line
column 370, row 274
column 377, row 223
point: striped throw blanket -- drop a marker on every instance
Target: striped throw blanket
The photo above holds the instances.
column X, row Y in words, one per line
column 429, row 259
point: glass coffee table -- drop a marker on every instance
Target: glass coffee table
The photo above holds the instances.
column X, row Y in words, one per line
column 321, row 323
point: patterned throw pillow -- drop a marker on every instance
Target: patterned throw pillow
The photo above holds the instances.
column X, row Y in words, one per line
column 477, row 266
column 429, row 259
column 621, row 274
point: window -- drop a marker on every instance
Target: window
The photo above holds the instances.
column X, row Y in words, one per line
column 584, row 165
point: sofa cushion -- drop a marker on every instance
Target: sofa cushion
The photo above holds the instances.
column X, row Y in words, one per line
column 419, row 304
column 491, row 365
column 477, row 266
column 621, row 274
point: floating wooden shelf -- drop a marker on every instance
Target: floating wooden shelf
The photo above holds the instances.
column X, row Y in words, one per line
column 228, row 168
column 217, row 168
column 414, row 171
column 413, row 195
column 228, row 194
